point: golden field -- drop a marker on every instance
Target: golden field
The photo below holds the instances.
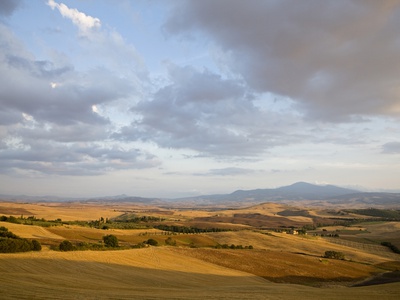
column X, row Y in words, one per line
column 281, row 266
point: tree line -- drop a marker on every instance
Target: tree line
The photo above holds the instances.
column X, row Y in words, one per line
column 186, row 229
column 11, row 243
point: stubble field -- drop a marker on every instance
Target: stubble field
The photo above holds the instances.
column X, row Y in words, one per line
column 280, row 265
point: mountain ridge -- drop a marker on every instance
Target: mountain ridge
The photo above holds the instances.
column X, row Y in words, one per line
column 299, row 192
column 295, row 191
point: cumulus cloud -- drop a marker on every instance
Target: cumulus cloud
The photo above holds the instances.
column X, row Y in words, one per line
column 210, row 114
column 336, row 64
column 84, row 22
column 48, row 124
column 53, row 91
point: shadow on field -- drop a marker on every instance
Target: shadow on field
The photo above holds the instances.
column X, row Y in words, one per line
column 388, row 277
column 71, row 279
column 63, row 278
column 313, row 281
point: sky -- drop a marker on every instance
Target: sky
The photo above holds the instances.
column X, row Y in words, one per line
column 172, row 99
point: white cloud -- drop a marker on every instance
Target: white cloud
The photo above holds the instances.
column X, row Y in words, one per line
column 84, row 22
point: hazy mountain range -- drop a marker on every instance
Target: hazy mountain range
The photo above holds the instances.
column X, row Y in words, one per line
column 297, row 192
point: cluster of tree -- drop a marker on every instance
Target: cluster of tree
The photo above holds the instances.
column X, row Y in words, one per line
column 329, row 235
column 232, row 246
column 123, row 223
column 109, row 241
column 186, row 229
column 100, row 223
column 391, row 247
column 139, row 219
column 334, row 255
column 66, row 246
column 31, row 220
column 10, row 219
column 11, row 243
column 151, row 242
column 309, row 227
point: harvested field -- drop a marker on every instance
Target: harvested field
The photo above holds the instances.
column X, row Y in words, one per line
column 65, row 211
column 366, row 247
column 31, row 232
column 284, row 267
column 281, row 265
column 152, row 273
column 296, row 244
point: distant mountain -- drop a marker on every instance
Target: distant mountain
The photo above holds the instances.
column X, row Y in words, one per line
column 296, row 191
column 299, row 192
column 314, row 192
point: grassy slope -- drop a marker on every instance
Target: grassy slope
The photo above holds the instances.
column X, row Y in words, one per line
column 284, row 267
column 64, row 211
column 149, row 274
column 182, row 273
column 296, row 244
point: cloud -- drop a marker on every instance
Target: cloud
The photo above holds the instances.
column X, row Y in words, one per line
column 77, row 132
column 231, row 171
column 7, row 7
column 105, row 45
column 44, row 157
column 336, row 64
column 85, row 23
column 48, row 124
column 391, row 148
column 212, row 115
column 53, row 91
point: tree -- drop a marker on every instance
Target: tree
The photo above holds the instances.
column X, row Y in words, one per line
column 334, row 255
column 110, row 241
column 66, row 246
column 152, row 242
column 36, row 246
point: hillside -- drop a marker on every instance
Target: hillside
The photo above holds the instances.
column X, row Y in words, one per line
column 210, row 256
column 153, row 273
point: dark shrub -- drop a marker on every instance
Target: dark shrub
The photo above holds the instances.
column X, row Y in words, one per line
column 334, row 255
column 110, row 241
column 152, row 242
column 66, row 246
column 36, row 246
